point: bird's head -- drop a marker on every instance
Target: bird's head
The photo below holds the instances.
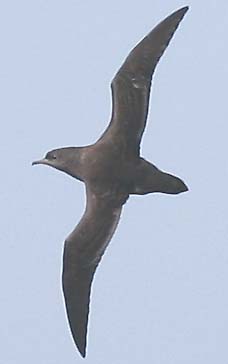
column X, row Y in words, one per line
column 64, row 159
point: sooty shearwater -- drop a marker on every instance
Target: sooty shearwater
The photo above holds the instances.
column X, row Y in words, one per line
column 112, row 169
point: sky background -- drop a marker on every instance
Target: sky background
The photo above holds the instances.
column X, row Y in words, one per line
column 160, row 294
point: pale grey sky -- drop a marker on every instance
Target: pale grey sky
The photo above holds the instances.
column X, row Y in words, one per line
column 160, row 294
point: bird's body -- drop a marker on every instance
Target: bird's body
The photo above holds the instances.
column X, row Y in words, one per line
column 112, row 169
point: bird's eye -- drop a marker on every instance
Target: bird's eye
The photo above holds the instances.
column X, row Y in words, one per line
column 51, row 156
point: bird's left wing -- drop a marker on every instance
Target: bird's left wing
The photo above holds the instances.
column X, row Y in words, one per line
column 131, row 85
column 82, row 253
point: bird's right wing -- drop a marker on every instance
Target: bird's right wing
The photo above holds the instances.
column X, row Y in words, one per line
column 82, row 253
column 131, row 85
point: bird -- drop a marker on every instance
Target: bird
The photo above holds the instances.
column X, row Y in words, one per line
column 112, row 169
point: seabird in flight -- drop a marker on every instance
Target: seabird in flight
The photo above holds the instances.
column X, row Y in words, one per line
column 112, row 169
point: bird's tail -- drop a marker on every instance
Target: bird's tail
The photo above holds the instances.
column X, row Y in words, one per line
column 150, row 179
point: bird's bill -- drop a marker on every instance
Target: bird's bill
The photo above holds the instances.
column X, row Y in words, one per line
column 41, row 161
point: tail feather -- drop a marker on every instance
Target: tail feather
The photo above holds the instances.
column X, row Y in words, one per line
column 150, row 179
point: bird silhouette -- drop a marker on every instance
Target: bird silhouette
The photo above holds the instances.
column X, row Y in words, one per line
column 112, row 169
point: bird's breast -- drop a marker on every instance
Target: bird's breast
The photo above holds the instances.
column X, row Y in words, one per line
column 108, row 174
column 104, row 162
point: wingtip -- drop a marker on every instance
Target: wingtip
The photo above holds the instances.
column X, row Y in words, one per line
column 83, row 354
column 179, row 13
column 82, row 351
column 184, row 9
column 176, row 16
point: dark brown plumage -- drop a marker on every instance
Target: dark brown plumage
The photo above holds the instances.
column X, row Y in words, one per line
column 112, row 169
